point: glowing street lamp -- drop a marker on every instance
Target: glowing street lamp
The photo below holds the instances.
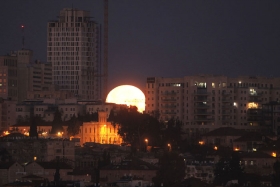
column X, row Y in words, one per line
column 146, row 140
column 169, row 147
column 59, row 134
column 216, row 148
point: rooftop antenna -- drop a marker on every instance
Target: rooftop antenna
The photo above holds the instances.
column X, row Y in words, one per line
column 22, row 31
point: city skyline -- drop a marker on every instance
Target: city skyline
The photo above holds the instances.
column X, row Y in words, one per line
column 160, row 38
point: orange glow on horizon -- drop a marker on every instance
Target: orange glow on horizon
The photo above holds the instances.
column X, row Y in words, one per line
column 129, row 95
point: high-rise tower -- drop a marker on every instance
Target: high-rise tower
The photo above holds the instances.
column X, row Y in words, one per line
column 73, row 50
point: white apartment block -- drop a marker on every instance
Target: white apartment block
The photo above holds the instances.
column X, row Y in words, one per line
column 73, row 50
column 206, row 102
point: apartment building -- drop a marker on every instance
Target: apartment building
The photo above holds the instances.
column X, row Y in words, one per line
column 7, row 113
column 8, row 77
column 40, row 76
column 73, row 49
column 24, row 58
column 207, row 102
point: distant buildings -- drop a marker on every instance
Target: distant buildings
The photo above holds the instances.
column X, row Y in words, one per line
column 73, row 49
column 8, row 77
column 207, row 102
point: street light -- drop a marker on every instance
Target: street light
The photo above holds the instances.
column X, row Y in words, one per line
column 146, row 140
column 169, row 147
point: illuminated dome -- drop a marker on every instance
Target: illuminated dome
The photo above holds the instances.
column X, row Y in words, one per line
column 129, row 95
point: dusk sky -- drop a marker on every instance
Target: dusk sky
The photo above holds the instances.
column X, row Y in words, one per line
column 165, row 38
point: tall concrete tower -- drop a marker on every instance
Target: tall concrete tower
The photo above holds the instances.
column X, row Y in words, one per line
column 73, row 50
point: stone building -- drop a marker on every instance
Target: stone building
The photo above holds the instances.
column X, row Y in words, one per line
column 100, row 132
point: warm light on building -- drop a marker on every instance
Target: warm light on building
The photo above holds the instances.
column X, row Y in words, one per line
column 201, row 142
column 26, row 133
column 273, row 154
column 35, row 158
column 216, row 148
column 252, row 105
column 236, row 149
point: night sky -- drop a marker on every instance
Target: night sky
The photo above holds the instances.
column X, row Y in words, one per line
column 166, row 38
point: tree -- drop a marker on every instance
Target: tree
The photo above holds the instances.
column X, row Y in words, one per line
column 172, row 133
column 35, row 120
column 57, row 122
column 228, row 169
column 171, row 169
column 276, row 175
column 74, row 126
column 135, row 126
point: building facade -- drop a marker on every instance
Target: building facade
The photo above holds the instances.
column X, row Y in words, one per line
column 7, row 113
column 207, row 102
column 100, row 132
column 40, row 76
column 24, row 59
column 8, row 77
column 73, row 50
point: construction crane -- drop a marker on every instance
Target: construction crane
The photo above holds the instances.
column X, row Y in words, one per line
column 105, row 52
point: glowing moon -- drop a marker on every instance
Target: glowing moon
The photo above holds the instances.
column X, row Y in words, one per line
column 129, row 95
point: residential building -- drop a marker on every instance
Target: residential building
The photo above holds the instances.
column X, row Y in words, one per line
column 204, row 172
column 39, row 76
column 10, row 172
column 251, row 141
column 73, row 49
column 7, row 113
column 130, row 167
column 23, row 148
column 207, row 102
column 48, row 169
column 257, row 162
column 49, row 94
column 8, row 77
column 223, row 136
column 24, row 59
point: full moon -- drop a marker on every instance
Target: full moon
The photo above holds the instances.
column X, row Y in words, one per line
column 129, row 95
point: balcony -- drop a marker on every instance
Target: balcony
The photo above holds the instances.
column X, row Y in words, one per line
column 226, row 113
column 201, row 106
column 168, row 100
column 168, row 93
column 203, row 119
column 169, row 106
column 227, row 100
column 201, row 92
column 202, row 113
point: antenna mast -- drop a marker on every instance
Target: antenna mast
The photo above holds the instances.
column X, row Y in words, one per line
column 105, row 45
column 22, row 31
